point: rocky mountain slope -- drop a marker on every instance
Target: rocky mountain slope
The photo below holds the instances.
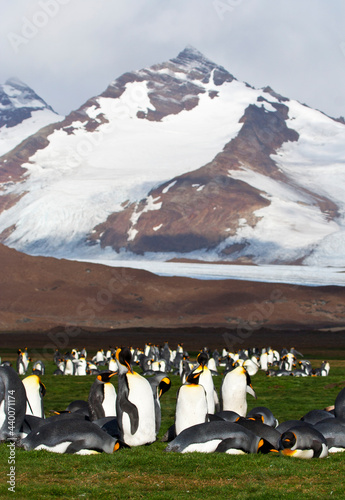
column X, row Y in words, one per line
column 22, row 113
column 180, row 160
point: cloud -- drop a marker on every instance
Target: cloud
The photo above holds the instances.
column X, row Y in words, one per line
column 75, row 50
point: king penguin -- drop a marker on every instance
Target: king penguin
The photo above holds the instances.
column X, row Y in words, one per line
column 160, row 384
column 12, row 403
column 21, row 363
column 303, row 442
column 135, row 403
column 207, row 438
column 102, row 397
column 236, row 383
column 35, row 392
column 71, row 435
column 206, row 381
column 191, row 404
column 81, row 365
column 333, row 428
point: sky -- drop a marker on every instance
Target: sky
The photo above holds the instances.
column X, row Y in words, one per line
column 70, row 50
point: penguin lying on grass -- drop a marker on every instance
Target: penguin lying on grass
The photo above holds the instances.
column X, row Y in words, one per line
column 303, row 442
column 73, row 435
column 208, row 438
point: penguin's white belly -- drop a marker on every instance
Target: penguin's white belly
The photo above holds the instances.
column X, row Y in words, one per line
column 207, row 447
column 235, row 398
column 191, row 407
column 207, row 382
column 140, row 394
column 302, row 453
column 109, row 402
column 2, row 413
column 58, row 448
column 81, row 370
column 69, row 367
column 234, row 451
column 334, row 449
column 87, row 452
column 35, row 406
column 112, row 365
column 211, row 365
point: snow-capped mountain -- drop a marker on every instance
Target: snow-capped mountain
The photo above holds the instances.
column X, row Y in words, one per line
column 22, row 113
column 181, row 159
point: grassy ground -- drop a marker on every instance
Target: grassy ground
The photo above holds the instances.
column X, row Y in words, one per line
column 149, row 472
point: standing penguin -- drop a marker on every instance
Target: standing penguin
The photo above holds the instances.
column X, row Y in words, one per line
column 35, row 391
column 102, row 397
column 160, row 384
column 191, row 404
column 206, row 381
column 236, row 383
column 21, row 363
column 39, row 368
column 12, row 403
column 135, row 403
column 69, row 365
column 112, row 364
column 81, row 365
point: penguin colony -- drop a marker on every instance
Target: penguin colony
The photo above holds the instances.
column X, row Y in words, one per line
column 131, row 415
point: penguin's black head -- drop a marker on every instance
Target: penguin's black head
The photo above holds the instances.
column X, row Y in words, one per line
column 202, row 358
column 288, row 440
column 193, row 377
column 124, row 357
column 164, row 386
column 105, row 376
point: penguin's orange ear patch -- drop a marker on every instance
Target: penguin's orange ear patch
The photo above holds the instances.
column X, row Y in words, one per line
column 117, row 446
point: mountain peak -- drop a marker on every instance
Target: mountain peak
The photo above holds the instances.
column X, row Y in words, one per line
column 190, row 56
column 191, row 52
column 16, row 82
column 200, row 67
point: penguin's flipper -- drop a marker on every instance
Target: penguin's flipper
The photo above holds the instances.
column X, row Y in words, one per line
column 79, row 445
column 76, row 446
column 132, row 411
column 317, row 447
column 251, row 391
column 212, row 417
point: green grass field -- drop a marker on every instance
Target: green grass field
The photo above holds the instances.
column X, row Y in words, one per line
column 150, row 472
